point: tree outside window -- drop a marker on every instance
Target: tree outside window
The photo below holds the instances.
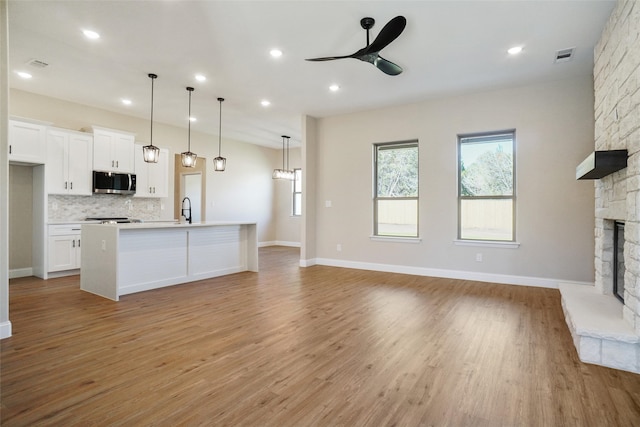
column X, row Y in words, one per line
column 486, row 196
column 396, row 189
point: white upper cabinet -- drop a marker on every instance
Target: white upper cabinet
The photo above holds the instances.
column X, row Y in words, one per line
column 152, row 179
column 27, row 142
column 69, row 162
column 113, row 150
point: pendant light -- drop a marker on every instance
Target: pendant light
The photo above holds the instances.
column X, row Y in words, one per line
column 150, row 152
column 189, row 158
column 284, row 173
column 219, row 162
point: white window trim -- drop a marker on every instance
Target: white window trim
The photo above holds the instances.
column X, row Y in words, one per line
column 395, row 239
column 487, row 243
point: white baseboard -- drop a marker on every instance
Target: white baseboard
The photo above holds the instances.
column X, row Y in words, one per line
column 307, row 262
column 20, row 272
column 290, row 244
column 541, row 282
column 5, row 330
column 279, row 243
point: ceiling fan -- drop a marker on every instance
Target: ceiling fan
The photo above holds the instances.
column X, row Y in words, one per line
column 370, row 53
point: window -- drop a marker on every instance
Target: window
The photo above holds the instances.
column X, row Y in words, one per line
column 395, row 202
column 297, row 192
column 486, row 178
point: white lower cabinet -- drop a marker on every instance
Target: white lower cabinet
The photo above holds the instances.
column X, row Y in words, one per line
column 64, row 247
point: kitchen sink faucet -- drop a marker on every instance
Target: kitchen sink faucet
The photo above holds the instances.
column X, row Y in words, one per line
column 188, row 210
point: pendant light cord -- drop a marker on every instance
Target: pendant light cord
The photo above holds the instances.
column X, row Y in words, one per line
column 220, row 127
column 190, row 89
column 153, row 77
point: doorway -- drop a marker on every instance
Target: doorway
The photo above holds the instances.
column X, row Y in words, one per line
column 191, row 183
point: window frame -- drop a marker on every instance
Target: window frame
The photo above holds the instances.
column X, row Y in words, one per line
column 488, row 136
column 296, row 172
column 376, row 199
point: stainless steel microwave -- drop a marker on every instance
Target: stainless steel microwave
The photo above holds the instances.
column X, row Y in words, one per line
column 114, row 183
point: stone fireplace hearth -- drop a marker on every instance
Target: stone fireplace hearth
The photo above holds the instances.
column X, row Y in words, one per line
column 605, row 331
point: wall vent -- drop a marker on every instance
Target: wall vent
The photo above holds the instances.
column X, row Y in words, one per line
column 37, row 63
column 564, row 55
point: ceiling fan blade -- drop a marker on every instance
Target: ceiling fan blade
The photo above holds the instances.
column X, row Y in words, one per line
column 386, row 66
column 329, row 58
column 389, row 33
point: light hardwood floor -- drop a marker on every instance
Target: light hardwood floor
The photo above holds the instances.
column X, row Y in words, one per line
column 290, row 346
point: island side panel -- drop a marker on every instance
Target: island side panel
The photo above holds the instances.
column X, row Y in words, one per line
column 99, row 267
column 151, row 258
column 217, row 250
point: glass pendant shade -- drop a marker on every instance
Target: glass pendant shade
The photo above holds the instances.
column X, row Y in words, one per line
column 151, row 153
column 189, row 158
column 219, row 163
column 282, row 174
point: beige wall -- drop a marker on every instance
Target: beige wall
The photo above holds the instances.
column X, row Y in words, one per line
column 244, row 192
column 554, row 132
column 20, row 214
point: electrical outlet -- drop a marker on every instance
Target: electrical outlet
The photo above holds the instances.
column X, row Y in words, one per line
column 54, row 206
column 339, row 247
column 104, row 245
column 327, row 203
column 479, row 257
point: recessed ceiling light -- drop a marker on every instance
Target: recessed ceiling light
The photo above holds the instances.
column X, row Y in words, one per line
column 265, row 103
column 126, row 101
column 200, row 77
column 24, row 74
column 514, row 50
column 193, row 119
column 334, row 88
column 276, row 53
column 91, row 34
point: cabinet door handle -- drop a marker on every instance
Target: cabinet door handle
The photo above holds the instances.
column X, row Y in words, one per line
column 78, row 242
column 9, row 149
column 73, row 244
column 71, row 186
column 150, row 190
column 117, row 163
column 65, row 185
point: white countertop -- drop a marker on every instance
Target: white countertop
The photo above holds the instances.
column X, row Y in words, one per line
column 148, row 225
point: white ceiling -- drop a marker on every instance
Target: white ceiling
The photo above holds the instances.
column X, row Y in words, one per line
column 448, row 47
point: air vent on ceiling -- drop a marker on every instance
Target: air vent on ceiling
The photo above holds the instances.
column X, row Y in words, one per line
column 564, row 55
column 37, row 63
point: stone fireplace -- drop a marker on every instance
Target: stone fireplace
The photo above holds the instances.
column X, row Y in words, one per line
column 606, row 331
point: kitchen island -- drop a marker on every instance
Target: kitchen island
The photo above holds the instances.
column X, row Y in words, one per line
column 120, row 259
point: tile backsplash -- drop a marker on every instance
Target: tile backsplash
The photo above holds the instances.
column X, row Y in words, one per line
column 77, row 208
